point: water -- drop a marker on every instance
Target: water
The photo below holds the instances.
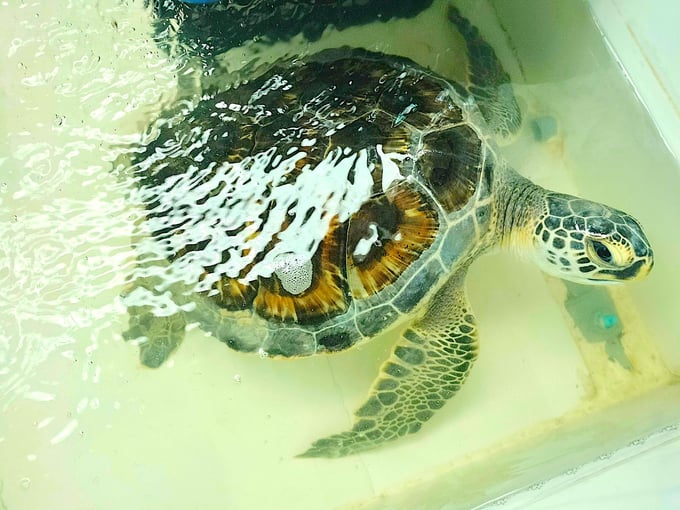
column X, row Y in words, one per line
column 83, row 424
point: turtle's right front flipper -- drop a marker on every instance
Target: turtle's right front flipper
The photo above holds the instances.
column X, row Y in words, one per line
column 427, row 367
column 159, row 330
column 488, row 82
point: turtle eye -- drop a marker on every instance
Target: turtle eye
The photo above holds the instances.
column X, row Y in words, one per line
column 602, row 252
column 610, row 253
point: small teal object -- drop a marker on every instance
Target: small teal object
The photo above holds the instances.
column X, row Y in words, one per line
column 200, row 1
column 544, row 128
column 608, row 320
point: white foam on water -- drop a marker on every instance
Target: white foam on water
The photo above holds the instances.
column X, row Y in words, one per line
column 294, row 273
column 391, row 172
column 239, row 217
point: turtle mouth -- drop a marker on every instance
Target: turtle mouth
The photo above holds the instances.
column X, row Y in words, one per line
column 646, row 267
column 639, row 269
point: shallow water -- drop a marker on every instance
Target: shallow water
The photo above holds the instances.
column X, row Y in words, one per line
column 84, row 425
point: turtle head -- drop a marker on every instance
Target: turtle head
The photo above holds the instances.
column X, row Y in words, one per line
column 588, row 242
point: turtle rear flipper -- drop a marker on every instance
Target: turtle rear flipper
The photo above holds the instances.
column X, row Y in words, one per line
column 158, row 334
column 488, row 82
column 427, row 367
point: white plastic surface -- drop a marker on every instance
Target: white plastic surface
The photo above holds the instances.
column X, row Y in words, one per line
column 647, row 480
column 645, row 38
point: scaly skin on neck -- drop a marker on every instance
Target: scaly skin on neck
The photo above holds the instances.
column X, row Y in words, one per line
column 518, row 205
column 568, row 237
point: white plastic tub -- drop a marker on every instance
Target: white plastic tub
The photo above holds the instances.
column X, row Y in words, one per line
column 83, row 425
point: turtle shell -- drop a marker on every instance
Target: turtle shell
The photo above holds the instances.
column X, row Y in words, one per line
column 314, row 205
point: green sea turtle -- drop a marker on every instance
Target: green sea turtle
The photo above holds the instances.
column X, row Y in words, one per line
column 334, row 196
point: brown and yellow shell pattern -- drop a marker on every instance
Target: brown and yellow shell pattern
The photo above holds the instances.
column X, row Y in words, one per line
column 310, row 207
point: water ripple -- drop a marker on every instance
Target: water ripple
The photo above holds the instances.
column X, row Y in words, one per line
column 83, row 79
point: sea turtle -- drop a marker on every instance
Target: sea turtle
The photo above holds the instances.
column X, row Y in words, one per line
column 337, row 195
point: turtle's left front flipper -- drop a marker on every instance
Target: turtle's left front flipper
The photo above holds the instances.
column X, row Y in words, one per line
column 426, row 368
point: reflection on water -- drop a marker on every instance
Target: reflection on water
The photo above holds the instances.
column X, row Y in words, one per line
column 215, row 28
column 82, row 80
column 83, row 423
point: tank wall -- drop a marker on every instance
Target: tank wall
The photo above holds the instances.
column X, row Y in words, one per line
column 646, row 43
column 617, row 141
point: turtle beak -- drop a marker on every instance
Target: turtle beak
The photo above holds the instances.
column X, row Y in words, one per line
column 645, row 259
column 646, row 268
column 638, row 269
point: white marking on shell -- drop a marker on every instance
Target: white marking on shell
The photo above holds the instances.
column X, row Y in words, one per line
column 390, row 169
column 365, row 244
column 294, row 272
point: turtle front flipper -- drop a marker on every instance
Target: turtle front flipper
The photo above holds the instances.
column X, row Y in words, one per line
column 426, row 368
column 489, row 83
column 158, row 334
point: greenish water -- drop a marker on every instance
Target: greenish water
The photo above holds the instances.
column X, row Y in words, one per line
column 83, row 425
